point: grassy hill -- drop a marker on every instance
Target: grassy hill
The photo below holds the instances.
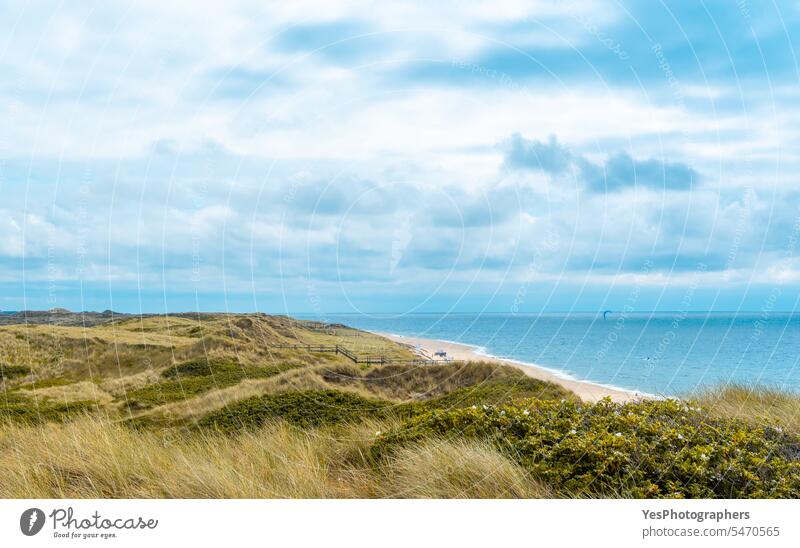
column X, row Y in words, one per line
column 221, row 406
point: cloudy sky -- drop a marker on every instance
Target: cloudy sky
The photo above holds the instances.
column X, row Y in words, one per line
column 506, row 156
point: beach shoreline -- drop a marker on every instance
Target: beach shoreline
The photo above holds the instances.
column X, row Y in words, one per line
column 585, row 390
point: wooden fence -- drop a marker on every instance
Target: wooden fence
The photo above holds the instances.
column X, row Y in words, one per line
column 336, row 349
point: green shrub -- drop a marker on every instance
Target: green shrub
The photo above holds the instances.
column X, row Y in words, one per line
column 153, row 395
column 18, row 408
column 308, row 408
column 13, row 371
column 326, row 407
column 646, row 449
column 195, row 377
column 505, row 390
column 201, row 367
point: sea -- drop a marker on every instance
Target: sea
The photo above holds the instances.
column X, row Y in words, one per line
column 664, row 354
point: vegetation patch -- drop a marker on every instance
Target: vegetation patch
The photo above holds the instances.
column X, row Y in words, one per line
column 195, row 377
column 308, row 408
column 45, row 383
column 201, row 367
column 404, row 381
column 17, row 408
column 753, row 404
column 13, row 371
column 505, row 390
column 645, row 449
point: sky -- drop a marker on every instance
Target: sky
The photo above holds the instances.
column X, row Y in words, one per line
column 373, row 157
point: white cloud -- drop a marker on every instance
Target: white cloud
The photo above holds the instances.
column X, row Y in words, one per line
column 200, row 134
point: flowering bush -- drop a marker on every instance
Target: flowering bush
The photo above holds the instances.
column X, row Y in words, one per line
column 644, row 449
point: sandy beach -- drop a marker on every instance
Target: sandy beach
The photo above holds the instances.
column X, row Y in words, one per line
column 587, row 391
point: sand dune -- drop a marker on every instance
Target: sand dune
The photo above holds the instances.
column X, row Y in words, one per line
column 587, row 391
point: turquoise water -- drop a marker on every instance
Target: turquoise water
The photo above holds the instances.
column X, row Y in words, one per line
column 664, row 353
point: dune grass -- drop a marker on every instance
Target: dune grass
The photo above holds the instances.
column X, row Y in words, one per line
column 97, row 458
column 456, row 468
column 115, row 350
column 216, row 406
column 754, row 404
column 210, row 407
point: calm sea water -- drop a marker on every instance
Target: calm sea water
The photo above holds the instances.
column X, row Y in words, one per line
column 664, row 353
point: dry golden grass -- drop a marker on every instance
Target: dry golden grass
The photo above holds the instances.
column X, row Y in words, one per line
column 96, row 458
column 112, row 333
column 118, row 387
column 128, row 353
column 457, row 469
column 360, row 342
column 77, row 353
column 753, row 404
column 73, row 392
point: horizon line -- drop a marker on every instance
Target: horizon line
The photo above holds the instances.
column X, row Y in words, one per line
column 398, row 313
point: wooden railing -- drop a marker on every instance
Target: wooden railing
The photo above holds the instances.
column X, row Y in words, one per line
column 336, row 349
column 371, row 360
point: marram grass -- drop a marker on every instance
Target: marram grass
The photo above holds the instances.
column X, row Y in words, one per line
column 218, row 407
column 97, row 458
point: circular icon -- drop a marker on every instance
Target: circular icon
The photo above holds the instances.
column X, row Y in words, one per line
column 31, row 521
